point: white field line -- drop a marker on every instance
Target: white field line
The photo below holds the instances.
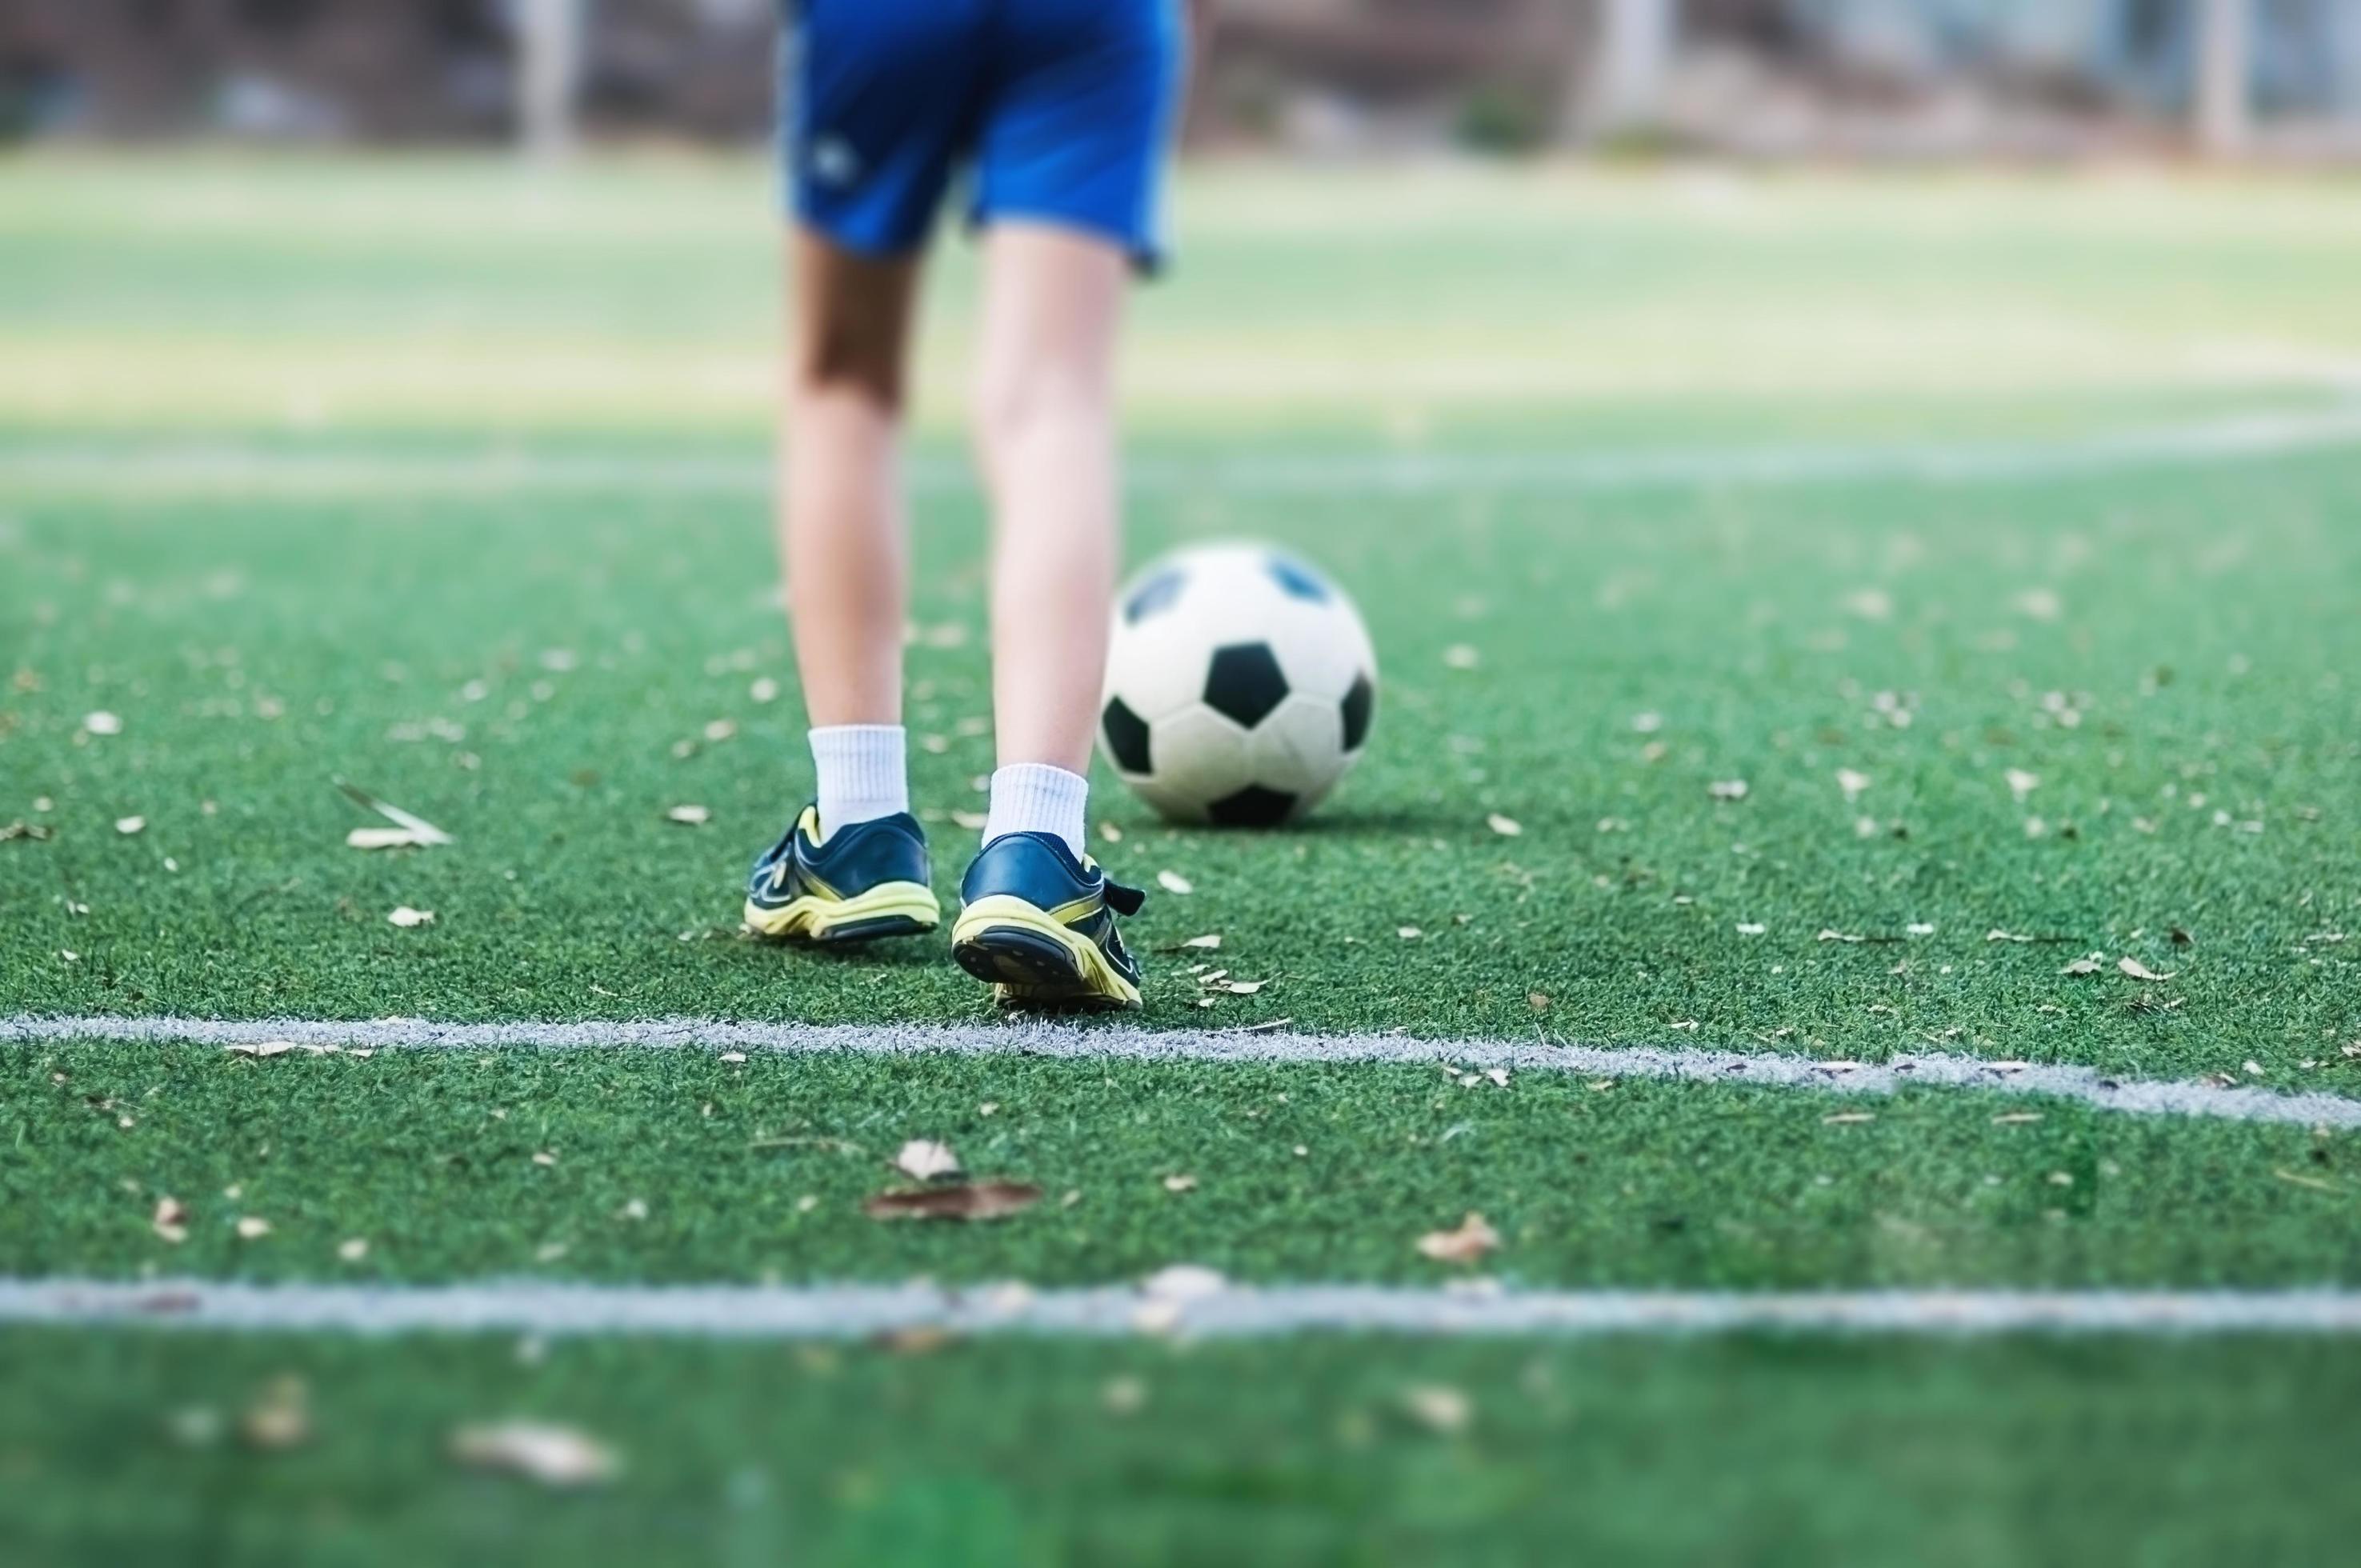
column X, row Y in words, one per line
column 199, row 468
column 847, row 1311
column 1937, row 1070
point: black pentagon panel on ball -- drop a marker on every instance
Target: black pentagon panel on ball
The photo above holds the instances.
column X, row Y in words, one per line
column 1126, row 737
column 1160, row 592
column 1360, row 703
column 1253, row 806
column 1244, row 683
column 1297, row 580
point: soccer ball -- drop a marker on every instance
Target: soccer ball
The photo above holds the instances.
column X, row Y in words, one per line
column 1240, row 685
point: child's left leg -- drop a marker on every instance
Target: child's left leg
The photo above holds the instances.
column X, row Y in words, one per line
column 853, row 867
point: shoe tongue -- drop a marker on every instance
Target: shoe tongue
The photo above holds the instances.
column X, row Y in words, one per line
column 1124, row 900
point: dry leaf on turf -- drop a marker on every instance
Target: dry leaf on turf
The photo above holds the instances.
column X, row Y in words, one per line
column 1173, row 882
column 384, row 838
column 1180, row 1183
column 281, row 1416
column 925, row 1161
column 417, row 829
column 963, row 1200
column 1210, row 941
column 407, row 917
column 126, row 826
column 973, row 821
column 253, row 1228
column 2080, row 967
column 1469, row 1243
column 1727, row 789
column 101, row 723
column 1437, row 1407
column 689, row 815
column 2022, row 784
column 1506, row 826
column 1851, row 783
column 2139, row 970
column 552, row 1455
column 172, row 1220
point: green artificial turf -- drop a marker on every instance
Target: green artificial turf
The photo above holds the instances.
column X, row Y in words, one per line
column 124, row 1446
column 244, row 507
column 679, row 1166
column 527, row 673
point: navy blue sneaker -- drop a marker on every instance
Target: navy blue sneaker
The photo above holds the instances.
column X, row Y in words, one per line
column 867, row 880
column 1039, row 924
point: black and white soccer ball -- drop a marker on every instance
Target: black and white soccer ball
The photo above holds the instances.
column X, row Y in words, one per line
column 1240, row 685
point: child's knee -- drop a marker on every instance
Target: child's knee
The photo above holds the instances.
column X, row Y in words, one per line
column 1016, row 402
column 848, row 363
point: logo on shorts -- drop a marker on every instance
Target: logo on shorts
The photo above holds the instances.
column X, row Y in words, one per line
column 834, row 162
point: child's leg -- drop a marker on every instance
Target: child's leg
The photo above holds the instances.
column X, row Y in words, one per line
column 841, row 528
column 1046, row 433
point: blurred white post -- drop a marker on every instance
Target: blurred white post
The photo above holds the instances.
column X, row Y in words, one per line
column 1635, row 44
column 2224, row 104
column 549, row 72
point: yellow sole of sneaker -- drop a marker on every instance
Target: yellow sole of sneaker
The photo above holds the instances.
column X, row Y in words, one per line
column 1032, row 961
column 889, row 909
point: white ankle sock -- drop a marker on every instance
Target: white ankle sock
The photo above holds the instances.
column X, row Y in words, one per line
column 861, row 775
column 1033, row 797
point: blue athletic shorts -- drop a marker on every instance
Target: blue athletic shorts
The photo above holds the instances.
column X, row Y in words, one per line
column 1059, row 110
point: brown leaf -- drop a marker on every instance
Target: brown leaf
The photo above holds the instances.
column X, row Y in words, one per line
column 1469, row 1243
column 991, row 1199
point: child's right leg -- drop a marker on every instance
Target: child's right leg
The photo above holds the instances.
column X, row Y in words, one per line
column 1037, row 918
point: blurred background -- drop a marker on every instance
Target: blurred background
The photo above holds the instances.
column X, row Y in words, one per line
column 1401, row 223
column 1760, row 78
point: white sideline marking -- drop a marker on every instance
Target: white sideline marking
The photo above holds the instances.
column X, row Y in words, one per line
column 249, row 472
column 1095, row 1042
column 850, row 1311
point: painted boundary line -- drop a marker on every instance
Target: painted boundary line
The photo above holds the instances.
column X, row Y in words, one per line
column 1209, row 1310
column 249, row 472
column 1086, row 1042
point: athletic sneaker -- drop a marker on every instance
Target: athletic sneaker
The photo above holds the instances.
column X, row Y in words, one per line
column 868, row 880
column 1039, row 924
